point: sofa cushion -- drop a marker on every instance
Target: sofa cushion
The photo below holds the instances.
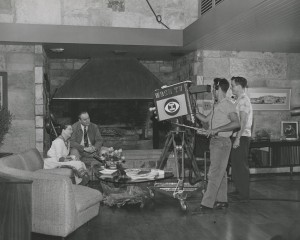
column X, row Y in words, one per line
column 29, row 160
column 85, row 197
column 13, row 161
column 33, row 158
column 28, row 175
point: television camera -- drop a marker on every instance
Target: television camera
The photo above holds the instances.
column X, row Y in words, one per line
column 175, row 103
column 175, row 100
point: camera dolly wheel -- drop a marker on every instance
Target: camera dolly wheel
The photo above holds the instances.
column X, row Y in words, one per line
column 183, row 205
column 151, row 193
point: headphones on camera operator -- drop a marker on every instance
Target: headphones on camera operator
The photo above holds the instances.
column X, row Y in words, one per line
column 216, row 87
column 217, row 84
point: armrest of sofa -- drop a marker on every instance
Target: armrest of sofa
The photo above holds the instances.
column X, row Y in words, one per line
column 53, row 205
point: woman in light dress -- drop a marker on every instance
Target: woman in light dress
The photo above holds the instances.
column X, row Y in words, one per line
column 58, row 156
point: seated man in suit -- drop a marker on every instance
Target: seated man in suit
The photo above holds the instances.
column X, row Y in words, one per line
column 86, row 139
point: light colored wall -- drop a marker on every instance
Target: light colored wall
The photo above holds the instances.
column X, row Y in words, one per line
column 24, row 67
column 176, row 14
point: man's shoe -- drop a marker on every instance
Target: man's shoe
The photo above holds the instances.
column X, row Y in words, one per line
column 85, row 180
column 221, row 205
column 202, row 210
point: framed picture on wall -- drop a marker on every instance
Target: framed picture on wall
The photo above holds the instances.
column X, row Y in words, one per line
column 3, row 90
column 269, row 99
column 289, row 130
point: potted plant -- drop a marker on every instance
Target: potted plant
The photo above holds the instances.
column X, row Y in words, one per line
column 5, row 123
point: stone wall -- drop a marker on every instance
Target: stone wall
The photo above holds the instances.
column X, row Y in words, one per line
column 176, row 14
column 271, row 70
column 163, row 70
column 24, row 65
column 170, row 72
column 60, row 70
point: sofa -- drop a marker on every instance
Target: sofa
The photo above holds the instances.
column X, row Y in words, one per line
column 58, row 206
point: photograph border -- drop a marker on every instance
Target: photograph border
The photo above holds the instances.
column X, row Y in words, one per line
column 270, row 106
column 297, row 130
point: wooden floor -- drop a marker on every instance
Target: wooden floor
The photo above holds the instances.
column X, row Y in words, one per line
column 272, row 213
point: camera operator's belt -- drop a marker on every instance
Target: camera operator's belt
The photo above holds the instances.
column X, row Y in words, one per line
column 220, row 135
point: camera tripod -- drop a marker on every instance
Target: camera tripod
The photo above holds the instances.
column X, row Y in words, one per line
column 178, row 142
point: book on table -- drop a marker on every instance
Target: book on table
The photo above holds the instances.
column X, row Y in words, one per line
column 108, row 173
column 141, row 174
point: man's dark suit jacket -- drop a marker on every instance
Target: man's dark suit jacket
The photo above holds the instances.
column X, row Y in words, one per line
column 93, row 134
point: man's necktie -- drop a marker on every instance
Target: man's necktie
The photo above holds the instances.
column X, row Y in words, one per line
column 85, row 138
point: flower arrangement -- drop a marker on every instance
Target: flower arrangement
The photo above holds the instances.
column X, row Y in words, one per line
column 112, row 157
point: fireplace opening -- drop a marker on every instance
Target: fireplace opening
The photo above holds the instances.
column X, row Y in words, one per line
column 117, row 93
column 125, row 124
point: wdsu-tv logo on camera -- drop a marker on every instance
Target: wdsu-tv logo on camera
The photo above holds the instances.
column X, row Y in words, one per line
column 170, row 103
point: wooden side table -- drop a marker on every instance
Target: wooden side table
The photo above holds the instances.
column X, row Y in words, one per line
column 280, row 152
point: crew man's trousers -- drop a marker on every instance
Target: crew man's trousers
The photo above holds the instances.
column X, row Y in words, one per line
column 217, row 176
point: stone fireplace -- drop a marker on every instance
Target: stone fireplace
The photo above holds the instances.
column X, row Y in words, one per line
column 117, row 93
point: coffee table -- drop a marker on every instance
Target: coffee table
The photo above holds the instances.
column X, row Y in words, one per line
column 120, row 190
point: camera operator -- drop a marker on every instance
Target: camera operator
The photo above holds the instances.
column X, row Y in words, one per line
column 222, row 120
